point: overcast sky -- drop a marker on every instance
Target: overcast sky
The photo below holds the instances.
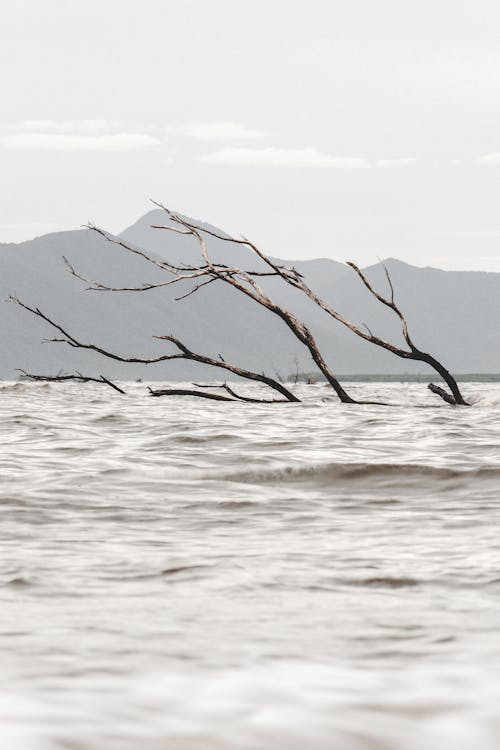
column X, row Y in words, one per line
column 352, row 129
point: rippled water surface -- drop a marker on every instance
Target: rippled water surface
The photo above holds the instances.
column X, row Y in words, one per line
column 180, row 574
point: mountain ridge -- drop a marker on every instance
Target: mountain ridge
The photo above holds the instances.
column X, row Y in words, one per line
column 452, row 314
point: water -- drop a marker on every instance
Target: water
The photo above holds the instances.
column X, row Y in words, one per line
column 180, row 574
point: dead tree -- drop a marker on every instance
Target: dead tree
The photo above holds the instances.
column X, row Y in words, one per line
column 247, row 283
column 182, row 353
column 208, row 272
column 292, row 277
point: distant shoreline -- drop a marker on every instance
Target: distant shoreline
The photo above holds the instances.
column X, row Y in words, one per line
column 405, row 378
column 317, row 378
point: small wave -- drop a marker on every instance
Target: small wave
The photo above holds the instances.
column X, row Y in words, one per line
column 19, row 582
column 384, row 582
column 484, row 399
column 331, row 472
column 236, row 504
column 166, row 572
column 208, row 438
column 181, row 569
column 112, row 418
column 25, row 386
column 392, row 582
column 13, row 387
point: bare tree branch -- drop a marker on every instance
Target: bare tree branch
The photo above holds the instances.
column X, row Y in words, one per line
column 246, row 284
column 247, row 399
column 78, row 377
column 194, row 289
column 187, row 392
column 291, row 277
column 442, row 393
column 99, row 286
column 182, row 353
column 136, row 251
column 388, row 302
column 216, row 397
column 415, row 353
column 278, row 269
column 245, row 281
column 181, row 273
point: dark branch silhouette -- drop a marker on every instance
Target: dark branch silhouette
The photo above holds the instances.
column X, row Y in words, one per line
column 240, row 279
column 247, row 283
column 78, row 377
column 442, row 393
column 182, row 353
column 188, row 392
column 215, row 396
column 296, row 280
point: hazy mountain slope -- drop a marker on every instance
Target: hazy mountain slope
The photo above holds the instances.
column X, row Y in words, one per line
column 452, row 314
column 217, row 321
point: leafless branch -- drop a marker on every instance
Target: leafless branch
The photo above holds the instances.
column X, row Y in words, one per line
column 279, row 270
column 183, row 353
column 183, row 272
column 293, row 278
column 187, row 392
column 442, row 393
column 388, row 302
column 247, row 399
column 245, row 281
column 246, row 284
column 129, row 248
column 390, row 284
column 235, row 397
column 195, row 289
column 78, row 377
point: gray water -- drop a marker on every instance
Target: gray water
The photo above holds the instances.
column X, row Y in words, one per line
column 178, row 574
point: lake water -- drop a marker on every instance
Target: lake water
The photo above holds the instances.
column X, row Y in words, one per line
column 179, row 574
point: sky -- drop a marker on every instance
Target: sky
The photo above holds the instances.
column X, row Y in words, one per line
column 349, row 129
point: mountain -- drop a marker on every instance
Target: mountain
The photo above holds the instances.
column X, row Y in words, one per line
column 453, row 315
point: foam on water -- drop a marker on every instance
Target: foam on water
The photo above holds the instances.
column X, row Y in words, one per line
column 207, row 576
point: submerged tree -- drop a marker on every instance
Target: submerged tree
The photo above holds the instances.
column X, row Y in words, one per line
column 248, row 283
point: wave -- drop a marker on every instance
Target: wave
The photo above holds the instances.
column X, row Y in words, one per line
column 334, row 472
column 19, row 582
column 25, row 386
column 382, row 581
column 173, row 571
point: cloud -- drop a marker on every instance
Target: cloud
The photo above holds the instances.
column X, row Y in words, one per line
column 223, row 130
column 489, row 158
column 115, row 135
column 298, row 157
column 282, row 157
column 32, row 225
column 78, row 142
column 398, row 162
column 470, row 234
column 82, row 135
column 92, row 127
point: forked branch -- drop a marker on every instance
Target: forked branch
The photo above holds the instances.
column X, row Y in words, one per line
column 76, row 377
column 188, row 392
column 246, row 283
column 183, row 352
column 293, row 278
column 233, row 396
